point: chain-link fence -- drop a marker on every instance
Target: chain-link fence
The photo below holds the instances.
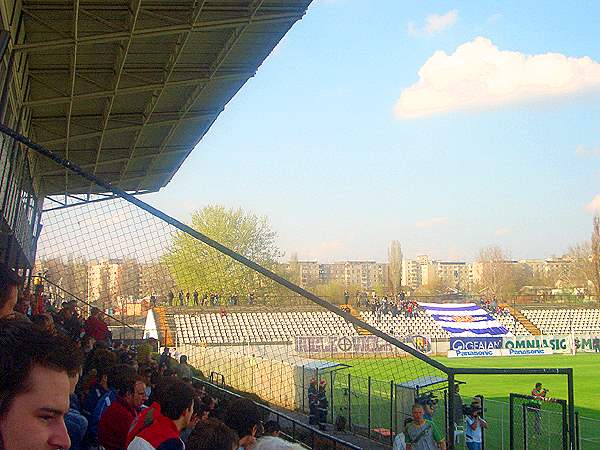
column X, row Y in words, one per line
column 215, row 289
column 536, row 424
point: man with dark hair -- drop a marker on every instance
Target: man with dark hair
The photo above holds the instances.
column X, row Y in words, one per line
column 159, row 426
column 115, row 377
column 243, row 417
column 116, row 420
column 102, row 361
column 9, row 288
column 272, row 428
column 95, row 326
column 183, row 369
column 34, row 386
column 213, row 435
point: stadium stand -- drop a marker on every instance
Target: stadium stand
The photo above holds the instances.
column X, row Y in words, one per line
column 284, row 326
column 244, row 327
column 512, row 324
column 400, row 325
column 564, row 321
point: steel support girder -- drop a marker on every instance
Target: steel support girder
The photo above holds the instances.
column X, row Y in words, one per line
column 235, row 37
column 172, row 63
column 119, row 66
column 116, row 36
column 135, row 89
column 158, row 123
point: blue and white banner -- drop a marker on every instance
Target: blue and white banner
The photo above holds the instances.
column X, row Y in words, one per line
column 465, row 319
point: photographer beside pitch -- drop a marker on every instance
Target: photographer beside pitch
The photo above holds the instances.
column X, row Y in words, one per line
column 539, row 394
column 474, row 426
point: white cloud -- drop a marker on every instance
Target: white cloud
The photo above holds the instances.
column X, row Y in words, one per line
column 430, row 223
column 478, row 75
column 494, row 18
column 594, row 205
column 584, row 151
column 434, row 24
column 502, row 231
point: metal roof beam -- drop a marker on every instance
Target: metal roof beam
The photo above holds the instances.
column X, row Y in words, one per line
column 136, row 89
column 173, row 60
column 99, row 19
column 160, row 123
column 104, row 38
column 72, row 90
column 225, row 51
column 119, row 65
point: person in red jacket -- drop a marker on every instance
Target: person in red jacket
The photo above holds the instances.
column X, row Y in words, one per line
column 118, row 417
column 95, row 326
column 160, row 425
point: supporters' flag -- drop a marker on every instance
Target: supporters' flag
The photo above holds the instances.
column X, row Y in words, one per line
column 464, row 319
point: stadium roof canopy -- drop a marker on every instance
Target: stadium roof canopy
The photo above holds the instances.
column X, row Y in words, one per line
column 126, row 89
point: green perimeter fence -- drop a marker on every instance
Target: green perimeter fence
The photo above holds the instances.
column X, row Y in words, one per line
column 373, row 408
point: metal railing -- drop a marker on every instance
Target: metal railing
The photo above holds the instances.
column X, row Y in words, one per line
column 295, row 430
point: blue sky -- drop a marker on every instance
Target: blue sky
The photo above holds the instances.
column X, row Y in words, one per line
column 319, row 142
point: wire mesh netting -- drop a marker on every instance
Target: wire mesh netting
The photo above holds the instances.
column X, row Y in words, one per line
column 538, row 424
column 236, row 311
column 235, row 324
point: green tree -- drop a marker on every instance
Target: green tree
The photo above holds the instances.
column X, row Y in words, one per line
column 195, row 265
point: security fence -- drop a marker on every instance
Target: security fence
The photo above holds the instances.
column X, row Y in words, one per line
column 116, row 248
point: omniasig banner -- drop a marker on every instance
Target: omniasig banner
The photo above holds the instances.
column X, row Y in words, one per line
column 510, row 346
column 587, row 343
column 552, row 344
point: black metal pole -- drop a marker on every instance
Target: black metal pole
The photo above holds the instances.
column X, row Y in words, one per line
column 483, row 416
column 451, row 400
column 332, row 405
column 577, row 433
column 446, row 417
column 369, row 407
column 349, row 403
column 392, row 412
column 511, row 422
column 571, row 400
column 565, row 434
column 524, row 407
column 303, row 390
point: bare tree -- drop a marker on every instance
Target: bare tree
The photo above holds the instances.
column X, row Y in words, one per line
column 498, row 274
column 585, row 261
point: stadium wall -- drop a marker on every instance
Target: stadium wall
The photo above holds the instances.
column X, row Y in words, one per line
column 277, row 382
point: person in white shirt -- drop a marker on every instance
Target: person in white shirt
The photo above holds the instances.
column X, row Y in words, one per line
column 475, row 424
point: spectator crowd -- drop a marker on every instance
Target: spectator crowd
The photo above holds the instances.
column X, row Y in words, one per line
column 65, row 384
